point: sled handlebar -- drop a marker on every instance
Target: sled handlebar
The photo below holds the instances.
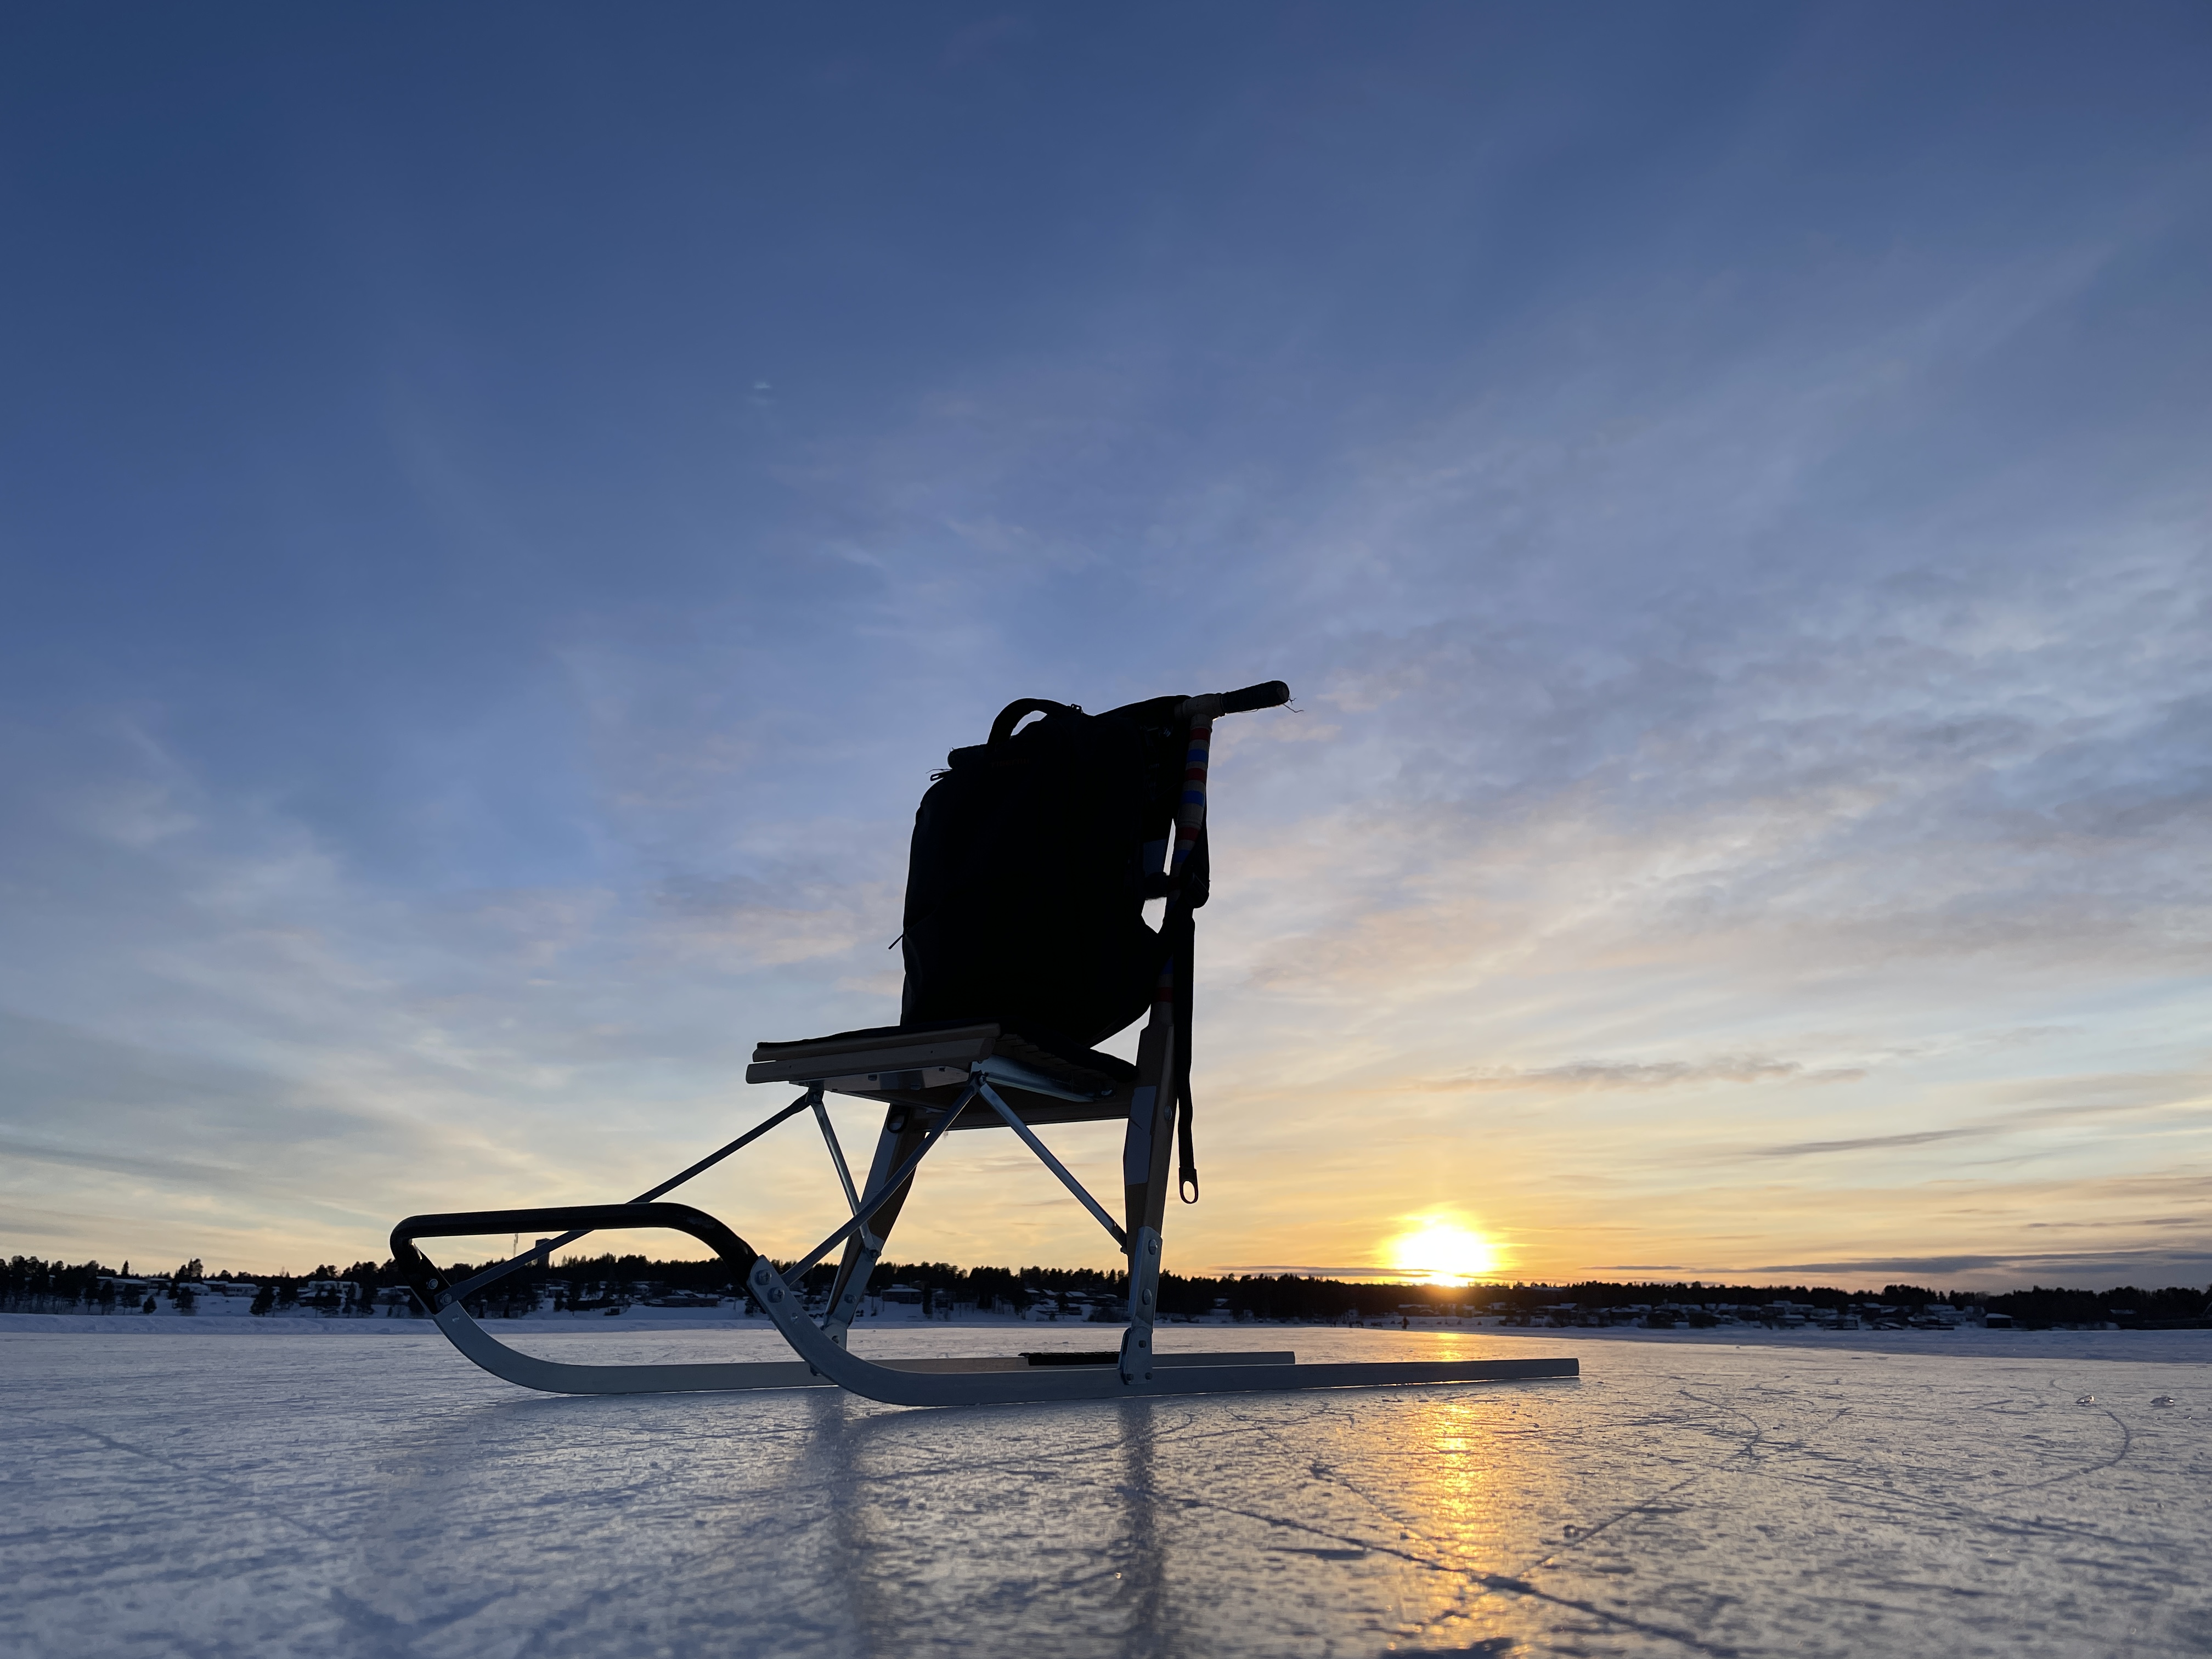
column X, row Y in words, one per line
column 1268, row 694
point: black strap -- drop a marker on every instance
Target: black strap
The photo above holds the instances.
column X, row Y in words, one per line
column 1186, row 1174
column 1197, row 881
column 1185, row 943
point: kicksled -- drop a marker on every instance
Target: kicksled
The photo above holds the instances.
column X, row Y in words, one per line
column 1033, row 856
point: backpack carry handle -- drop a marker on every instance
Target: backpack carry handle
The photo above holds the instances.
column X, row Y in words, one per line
column 1268, row 694
column 1020, row 710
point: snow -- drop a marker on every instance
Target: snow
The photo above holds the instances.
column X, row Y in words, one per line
column 357, row 1488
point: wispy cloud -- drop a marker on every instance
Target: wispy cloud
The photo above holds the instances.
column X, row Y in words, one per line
column 1814, row 1148
column 2147, row 1267
column 1642, row 1074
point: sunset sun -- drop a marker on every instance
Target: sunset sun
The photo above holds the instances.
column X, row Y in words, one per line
column 1441, row 1250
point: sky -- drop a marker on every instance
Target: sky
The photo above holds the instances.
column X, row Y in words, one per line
column 502, row 510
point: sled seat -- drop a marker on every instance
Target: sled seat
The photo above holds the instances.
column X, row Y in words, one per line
column 1045, row 1078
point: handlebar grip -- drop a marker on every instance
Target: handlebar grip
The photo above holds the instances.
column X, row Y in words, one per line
column 1268, row 694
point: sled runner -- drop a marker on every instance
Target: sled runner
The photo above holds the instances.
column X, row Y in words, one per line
column 1033, row 856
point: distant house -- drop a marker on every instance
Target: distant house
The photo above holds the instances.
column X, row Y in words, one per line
column 900, row 1301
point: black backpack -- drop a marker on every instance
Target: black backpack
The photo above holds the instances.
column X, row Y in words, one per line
column 1033, row 855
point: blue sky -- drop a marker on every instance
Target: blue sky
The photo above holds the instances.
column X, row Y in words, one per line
column 502, row 512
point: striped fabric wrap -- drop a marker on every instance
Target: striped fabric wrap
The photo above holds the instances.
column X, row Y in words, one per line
column 1190, row 819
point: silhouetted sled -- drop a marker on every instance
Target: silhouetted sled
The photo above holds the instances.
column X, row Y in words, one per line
column 1033, row 856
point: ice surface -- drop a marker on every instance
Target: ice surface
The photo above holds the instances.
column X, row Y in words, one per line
column 364, row 1491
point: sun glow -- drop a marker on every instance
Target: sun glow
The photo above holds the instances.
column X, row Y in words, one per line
column 1444, row 1251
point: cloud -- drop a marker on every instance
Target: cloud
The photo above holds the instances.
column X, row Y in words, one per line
column 1643, row 1074
column 748, row 920
column 183, row 1171
column 2084, row 1270
column 1814, row 1148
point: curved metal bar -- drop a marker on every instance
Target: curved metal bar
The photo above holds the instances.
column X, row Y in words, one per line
column 437, row 1293
column 972, row 1385
column 558, row 1377
column 542, row 1251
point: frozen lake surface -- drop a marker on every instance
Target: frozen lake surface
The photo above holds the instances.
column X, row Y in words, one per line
column 364, row 1491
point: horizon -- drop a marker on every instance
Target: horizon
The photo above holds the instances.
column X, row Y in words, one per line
column 890, row 1271
column 499, row 537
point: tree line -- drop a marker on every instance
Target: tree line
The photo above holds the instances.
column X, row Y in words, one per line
column 29, row 1284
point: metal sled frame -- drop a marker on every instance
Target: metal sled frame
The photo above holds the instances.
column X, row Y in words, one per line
column 931, row 1082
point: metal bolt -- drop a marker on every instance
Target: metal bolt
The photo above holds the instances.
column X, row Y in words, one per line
column 776, row 1296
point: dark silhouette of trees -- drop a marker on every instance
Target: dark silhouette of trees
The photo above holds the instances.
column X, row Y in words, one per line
column 30, row 1285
